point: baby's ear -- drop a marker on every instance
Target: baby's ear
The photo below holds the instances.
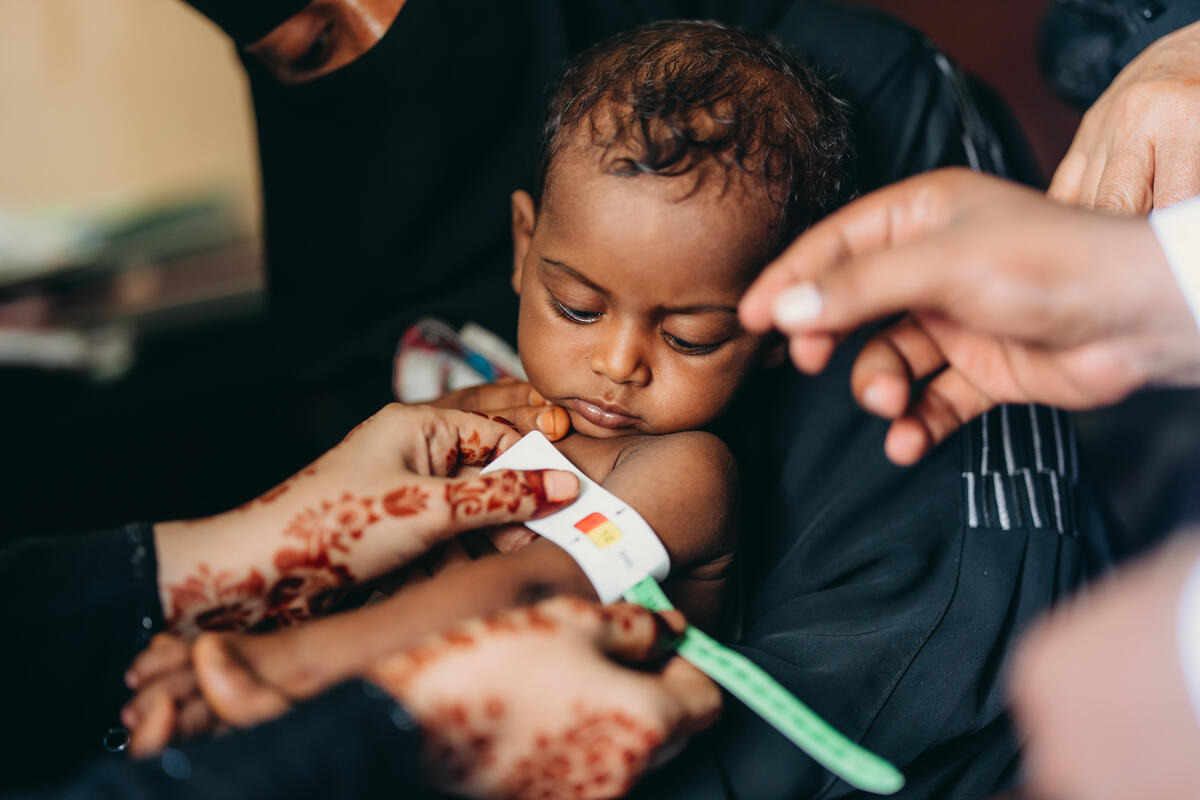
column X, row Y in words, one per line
column 523, row 217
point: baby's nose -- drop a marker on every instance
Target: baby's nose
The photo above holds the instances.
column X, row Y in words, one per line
column 621, row 359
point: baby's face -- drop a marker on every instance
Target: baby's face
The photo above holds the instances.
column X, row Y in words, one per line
column 629, row 290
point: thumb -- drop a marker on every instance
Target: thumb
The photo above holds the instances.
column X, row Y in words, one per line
column 636, row 635
column 464, row 504
column 233, row 692
column 623, row 631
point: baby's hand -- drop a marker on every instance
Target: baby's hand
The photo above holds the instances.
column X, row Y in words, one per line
column 512, row 402
column 168, row 703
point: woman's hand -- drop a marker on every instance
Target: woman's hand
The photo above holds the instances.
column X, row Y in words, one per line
column 514, row 402
column 526, row 701
column 381, row 498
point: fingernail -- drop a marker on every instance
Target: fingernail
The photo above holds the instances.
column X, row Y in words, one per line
column 797, row 304
column 872, row 399
column 560, row 485
column 545, row 422
column 131, row 679
column 129, row 718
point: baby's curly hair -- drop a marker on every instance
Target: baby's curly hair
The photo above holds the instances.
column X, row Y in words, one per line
column 682, row 94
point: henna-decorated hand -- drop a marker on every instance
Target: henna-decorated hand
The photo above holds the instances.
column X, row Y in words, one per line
column 384, row 496
column 533, row 702
column 510, row 400
column 528, row 703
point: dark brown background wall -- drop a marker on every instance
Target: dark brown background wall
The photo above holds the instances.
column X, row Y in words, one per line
column 997, row 41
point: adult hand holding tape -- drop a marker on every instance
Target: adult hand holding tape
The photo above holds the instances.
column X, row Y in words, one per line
column 623, row 558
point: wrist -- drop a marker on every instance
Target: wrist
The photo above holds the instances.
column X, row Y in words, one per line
column 221, row 572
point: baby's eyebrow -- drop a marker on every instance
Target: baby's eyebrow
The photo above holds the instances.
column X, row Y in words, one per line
column 704, row 309
column 576, row 274
column 708, row 308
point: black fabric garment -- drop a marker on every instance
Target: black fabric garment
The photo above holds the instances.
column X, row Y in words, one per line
column 77, row 610
column 914, row 109
column 890, row 599
column 350, row 742
column 1085, row 43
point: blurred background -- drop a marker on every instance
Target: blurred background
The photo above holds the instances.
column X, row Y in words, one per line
column 130, row 271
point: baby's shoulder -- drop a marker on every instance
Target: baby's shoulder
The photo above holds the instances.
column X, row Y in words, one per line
column 684, row 485
column 696, row 458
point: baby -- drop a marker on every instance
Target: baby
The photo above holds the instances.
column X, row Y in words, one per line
column 677, row 159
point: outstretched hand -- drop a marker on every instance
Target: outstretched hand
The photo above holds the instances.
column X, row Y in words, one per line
column 384, row 496
column 1010, row 298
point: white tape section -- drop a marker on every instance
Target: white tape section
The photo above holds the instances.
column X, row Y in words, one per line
column 608, row 539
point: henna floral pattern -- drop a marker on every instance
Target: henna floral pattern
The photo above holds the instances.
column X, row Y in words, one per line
column 216, row 601
column 312, row 576
column 594, row 757
column 459, row 738
column 492, row 492
column 405, row 501
column 594, row 752
column 309, row 579
column 472, row 450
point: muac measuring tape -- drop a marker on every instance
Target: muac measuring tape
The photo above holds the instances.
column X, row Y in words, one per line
column 623, row 558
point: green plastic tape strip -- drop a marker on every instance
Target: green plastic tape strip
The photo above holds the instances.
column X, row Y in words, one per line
column 765, row 696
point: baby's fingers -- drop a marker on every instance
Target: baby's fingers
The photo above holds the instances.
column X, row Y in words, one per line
column 166, row 653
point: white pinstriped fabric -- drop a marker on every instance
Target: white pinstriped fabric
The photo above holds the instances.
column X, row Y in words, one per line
column 1021, row 469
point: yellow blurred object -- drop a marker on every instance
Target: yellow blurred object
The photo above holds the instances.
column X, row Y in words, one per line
column 119, row 101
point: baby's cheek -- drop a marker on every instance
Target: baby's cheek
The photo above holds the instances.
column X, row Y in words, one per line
column 696, row 402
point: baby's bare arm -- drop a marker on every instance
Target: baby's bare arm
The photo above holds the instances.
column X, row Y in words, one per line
column 686, row 486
